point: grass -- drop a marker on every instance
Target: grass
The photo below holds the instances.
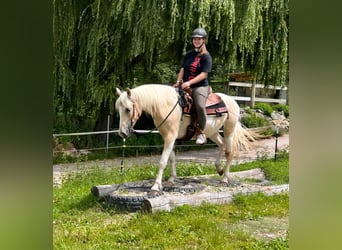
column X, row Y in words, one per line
column 81, row 222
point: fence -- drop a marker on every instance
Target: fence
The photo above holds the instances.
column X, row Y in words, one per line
column 252, row 98
column 227, row 85
column 124, row 145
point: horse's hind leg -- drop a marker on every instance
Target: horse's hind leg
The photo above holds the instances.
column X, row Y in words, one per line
column 219, row 140
column 225, row 147
column 229, row 157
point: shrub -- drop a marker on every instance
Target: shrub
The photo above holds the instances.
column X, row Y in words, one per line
column 265, row 108
column 282, row 107
column 253, row 121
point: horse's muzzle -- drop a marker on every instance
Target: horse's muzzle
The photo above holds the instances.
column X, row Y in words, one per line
column 124, row 133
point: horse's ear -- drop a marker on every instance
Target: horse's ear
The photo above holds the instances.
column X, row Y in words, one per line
column 118, row 91
column 129, row 93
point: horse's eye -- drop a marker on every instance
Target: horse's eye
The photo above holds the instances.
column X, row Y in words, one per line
column 127, row 110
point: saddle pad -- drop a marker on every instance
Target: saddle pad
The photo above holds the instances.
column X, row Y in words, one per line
column 215, row 109
column 214, row 105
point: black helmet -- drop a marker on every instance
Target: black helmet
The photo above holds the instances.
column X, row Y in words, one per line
column 199, row 32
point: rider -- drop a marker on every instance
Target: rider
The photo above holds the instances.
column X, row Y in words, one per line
column 194, row 74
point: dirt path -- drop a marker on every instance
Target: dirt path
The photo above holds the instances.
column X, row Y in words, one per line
column 205, row 156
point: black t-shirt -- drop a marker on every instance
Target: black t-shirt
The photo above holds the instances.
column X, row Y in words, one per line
column 194, row 64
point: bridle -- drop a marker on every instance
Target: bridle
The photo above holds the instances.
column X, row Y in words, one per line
column 135, row 115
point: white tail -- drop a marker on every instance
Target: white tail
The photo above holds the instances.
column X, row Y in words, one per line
column 243, row 137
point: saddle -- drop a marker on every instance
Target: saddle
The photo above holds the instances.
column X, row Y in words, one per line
column 214, row 106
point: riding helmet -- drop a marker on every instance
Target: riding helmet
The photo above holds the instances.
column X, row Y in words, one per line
column 199, row 32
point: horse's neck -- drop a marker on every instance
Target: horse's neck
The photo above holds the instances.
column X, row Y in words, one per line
column 158, row 102
column 153, row 110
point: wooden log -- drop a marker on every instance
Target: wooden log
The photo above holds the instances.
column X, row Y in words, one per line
column 169, row 201
column 161, row 203
column 255, row 173
column 103, row 190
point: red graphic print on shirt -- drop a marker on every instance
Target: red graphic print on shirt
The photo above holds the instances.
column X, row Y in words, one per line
column 193, row 67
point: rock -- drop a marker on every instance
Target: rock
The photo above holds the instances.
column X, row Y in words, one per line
column 278, row 115
column 66, row 149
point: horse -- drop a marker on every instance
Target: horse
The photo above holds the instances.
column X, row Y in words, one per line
column 161, row 102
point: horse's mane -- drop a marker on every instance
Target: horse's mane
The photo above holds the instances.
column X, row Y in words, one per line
column 155, row 97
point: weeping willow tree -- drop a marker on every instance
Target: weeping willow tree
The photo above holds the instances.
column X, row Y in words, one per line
column 102, row 44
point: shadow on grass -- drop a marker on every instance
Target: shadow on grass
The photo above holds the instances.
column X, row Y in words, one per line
column 86, row 202
column 89, row 201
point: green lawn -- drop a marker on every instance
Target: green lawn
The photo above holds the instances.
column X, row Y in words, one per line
column 250, row 222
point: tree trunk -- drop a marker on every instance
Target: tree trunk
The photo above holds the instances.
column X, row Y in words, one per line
column 253, row 94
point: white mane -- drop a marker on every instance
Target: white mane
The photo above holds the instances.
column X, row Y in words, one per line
column 155, row 97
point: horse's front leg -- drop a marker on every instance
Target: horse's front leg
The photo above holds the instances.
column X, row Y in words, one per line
column 171, row 180
column 158, row 187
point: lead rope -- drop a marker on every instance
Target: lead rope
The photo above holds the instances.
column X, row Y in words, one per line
column 122, row 155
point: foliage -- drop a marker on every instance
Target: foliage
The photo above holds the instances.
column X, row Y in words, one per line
column 275, row 171
column 282, row 107
column 266, row 108
column 253, row 121
column 101, row 45
column 81, row 222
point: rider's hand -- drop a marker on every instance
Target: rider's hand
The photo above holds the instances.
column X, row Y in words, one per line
column 177, row 83
column 185, row 85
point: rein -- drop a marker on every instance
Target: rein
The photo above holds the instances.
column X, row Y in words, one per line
column 156, row 128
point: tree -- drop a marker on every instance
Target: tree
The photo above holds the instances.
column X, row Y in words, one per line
column 101, row 44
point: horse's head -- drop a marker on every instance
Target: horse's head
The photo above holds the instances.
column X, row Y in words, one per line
column 129, row 112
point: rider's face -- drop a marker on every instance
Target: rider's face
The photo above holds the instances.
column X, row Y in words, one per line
column 197, row 41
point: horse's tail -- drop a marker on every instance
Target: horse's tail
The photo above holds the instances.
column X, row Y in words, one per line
column 243, row 136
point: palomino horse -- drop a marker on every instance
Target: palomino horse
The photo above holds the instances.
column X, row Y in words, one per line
column 161, row 102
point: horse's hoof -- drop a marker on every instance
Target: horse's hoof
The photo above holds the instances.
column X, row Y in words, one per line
column 154, row 194
column 169, row 184
column 224, row 184
column 230, row 183
column 220, row 172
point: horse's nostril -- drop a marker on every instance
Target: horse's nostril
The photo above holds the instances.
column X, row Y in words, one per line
column 123, row 134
